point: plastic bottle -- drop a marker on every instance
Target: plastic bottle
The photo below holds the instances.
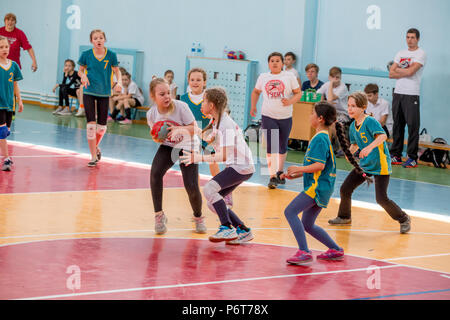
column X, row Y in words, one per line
column 193, row 49
column 199, row 50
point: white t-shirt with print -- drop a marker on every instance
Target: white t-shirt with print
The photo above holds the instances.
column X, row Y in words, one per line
column 410, row 85
column 239, row 157
column 133, row 89
column 182, row 115
column 379, row 109
column 274, row 88
column 341, row 92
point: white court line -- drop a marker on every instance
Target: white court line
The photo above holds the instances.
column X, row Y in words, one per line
column 179, row 229
column 418, row 257
column 202, row 283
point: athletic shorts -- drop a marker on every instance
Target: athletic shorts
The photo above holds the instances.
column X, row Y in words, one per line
column 6, row 117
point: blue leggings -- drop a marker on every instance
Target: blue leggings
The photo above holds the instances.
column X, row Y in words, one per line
column 310, row 212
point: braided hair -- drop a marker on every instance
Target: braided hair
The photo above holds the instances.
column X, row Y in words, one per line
column 345, row 144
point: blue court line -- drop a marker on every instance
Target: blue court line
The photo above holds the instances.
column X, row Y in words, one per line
column 407, row 194
column 403, row 294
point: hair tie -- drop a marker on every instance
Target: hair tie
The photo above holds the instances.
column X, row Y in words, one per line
column 364, row 175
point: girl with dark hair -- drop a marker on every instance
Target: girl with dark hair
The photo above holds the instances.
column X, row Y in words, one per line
column 319, row 176
column 366, row 134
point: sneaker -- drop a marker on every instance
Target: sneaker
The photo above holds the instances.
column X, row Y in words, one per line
column 405, row 226
column 340, row 154
column 65, row 112
column 332, row 254
column 273, row 183
column 410, row 163
column 57, row 110
column 7, row 164
column 340, row 221
column 126, row 121
column 120, row 118
column 228, row 200
column 300, row 258
column 396, row 160
column 110, row 119
column 80, row 113
column 224, row 234
column 200, row 226
column 280, row 181
column 160, row 223
column 243, row 236
column 92, row 163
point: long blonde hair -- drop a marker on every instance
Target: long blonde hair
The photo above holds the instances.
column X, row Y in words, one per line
column 153, row 84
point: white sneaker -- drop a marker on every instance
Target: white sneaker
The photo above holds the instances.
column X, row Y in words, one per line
column 200, row 226
column 224, row 234
column 65, row 112
column 243, row 236
column 57, row 110
column 80, row 113
column 160, row 223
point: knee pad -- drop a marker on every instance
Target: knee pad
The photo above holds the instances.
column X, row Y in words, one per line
column 101, row 130
column 4, row 132
column 90, row 131
column 211, row 192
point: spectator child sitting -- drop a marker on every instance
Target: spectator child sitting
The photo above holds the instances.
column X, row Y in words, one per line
column 130, row 97
column 312, row 71
column 169, row 76
column 377, row 107
column 70, row 86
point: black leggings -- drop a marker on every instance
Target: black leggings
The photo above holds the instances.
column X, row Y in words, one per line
column 64, row 93
column 99, row 114
column 353, row 180
column 164, row 159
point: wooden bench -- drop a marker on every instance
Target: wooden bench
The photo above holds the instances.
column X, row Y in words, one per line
column 430, row 145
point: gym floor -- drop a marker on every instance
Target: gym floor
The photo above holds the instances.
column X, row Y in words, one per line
column 58, row 215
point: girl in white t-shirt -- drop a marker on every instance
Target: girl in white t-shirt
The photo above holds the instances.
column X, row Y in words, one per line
column 178, row 139
column 130, row 97
column 280, row 91
column 231, row 148
column 169, row 76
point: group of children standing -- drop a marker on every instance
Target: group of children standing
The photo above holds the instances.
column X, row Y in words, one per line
column 205, row 132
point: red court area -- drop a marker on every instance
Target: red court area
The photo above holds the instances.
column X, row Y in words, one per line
column 39, row 169
column 146, row 268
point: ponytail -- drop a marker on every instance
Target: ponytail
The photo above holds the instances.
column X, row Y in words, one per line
column 345, row 145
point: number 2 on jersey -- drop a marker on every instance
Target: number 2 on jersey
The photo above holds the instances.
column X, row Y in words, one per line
column 12, row 76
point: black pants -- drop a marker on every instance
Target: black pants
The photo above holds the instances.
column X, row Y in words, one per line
column 93, row 114
column 405, row 111
column 64, row 93
column 353, row 180
column 6, row 117
column 164, row 159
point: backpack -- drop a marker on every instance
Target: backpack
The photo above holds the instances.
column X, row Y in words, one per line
column 439, row 158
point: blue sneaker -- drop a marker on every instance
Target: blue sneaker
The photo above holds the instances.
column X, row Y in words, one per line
column 243, row 236
column 410, row 163
column 396, row 160
column 224, row 234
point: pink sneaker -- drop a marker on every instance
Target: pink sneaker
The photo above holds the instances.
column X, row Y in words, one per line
column 300, row 258
column 109, row 119
column 332, row 254
column 126, row 121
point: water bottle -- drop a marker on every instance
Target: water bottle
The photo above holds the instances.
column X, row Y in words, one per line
column 225, row 52
column 193, row 49
column 199, row 50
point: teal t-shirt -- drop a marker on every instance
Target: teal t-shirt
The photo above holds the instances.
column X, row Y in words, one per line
column 320, row 185
column 378, row 162
column 200, row 118
column 99, row 72
column 7, row 78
